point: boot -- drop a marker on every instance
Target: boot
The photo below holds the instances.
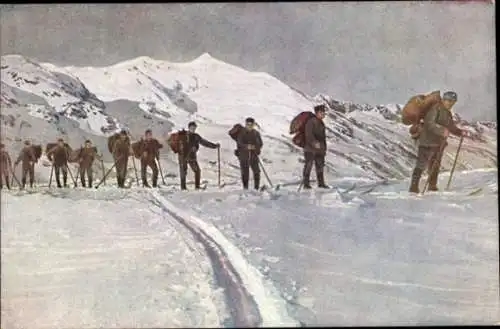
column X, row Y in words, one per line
column 155, row 182
column 65, row 181
column 256, row 181
column 82, row 180
column 145, row 183
column 321, row 180
column 433, row 178
column 197, row 179
column 58, row 183
column 183, row 184
column 306, row 183
column 415, row 180
column 90, row 183
column 31, row 184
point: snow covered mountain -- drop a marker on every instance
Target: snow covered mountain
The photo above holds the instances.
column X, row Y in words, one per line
column 43, row 101
column 225, row 257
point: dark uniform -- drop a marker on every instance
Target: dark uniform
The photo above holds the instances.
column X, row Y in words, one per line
column 28, row 158
column 86, row 156
column 432, row 141
column 59, row 156
column 149, row 149
column 5, row 166
column 315, row 148
column 249, row 148
column 190, row 144
column 121, row 152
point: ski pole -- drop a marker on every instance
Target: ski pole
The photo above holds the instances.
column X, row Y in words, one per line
column 454, row 162
column 106, row 175
column 51, row 173
column 218, row 166
column 14, row 177
column 71, row 175
column 135, row 170
column 161, row 171
column 264, row 170
column 103, row 171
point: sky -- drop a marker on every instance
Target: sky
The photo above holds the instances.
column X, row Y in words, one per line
column 366, row 52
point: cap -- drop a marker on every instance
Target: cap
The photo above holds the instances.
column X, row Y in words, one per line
column 88, row 141
column 192, row 124
column 320, row 108
column 450, row 95
column 148, row 131
column 123, row 132
column 27, row 142
column 249, row 120
column 60, row 140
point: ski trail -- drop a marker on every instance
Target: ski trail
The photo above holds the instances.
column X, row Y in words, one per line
column 271, row 307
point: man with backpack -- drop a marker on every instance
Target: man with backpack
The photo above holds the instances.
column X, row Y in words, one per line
column 189, row 143
column 249, row 144
column 315, row 147
column 437, row 125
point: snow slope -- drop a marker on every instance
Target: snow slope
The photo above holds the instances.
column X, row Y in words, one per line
column 138, row 258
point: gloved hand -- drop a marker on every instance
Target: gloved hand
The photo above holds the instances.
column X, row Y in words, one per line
column 217, row 145
column 251, row 147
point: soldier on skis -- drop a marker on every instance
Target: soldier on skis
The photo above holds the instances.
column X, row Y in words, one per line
column 5, row 166
column 59, row 156
column 438, row 124
column 149, row 151
column 189, row 146
column 315, row 148
column 28, row 158
column 120, row 149
column 85, row 157
column 249, row 147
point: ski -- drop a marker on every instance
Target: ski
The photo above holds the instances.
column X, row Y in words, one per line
column 475, row 191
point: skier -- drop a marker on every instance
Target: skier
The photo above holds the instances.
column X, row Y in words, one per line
column 438, row 124
column 249, row 147
column 59, row 156
column 86, row 156
column 315, row 148
column 119, row 145
column 28, row 158
column 149, row 151
column 189, row 144
column 5, row 166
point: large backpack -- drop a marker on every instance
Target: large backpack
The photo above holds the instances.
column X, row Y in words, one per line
column 136, row 149
column 235, row 131
column 37, row 149
column 111, row 142
column 417, row 107
column 176, row 139
column 298, row 126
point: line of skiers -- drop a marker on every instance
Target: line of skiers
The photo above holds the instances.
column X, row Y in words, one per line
column 430, row 116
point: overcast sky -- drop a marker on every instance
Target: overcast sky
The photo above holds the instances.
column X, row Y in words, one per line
column 371, row 52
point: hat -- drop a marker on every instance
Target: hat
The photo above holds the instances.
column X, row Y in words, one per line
column 192, row 124
column 249, row 120
column 450, row 95
column 60, row 140
column 123, row 132
column 148, row 131
column 320, row 108
column 27, row 142
column 88, row 141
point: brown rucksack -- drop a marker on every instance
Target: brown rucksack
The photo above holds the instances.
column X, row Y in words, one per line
column 235, row 131
column 111, row 142
column 298, row 126
column 136, row 149
column 417, row 107
column 176, row 139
